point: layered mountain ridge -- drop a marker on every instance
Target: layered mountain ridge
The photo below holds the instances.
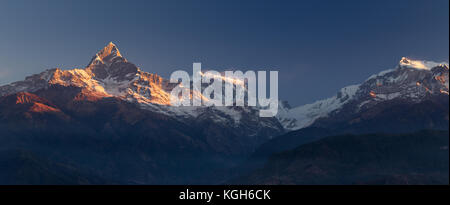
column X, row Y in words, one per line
column 381, row 159
column 109, row 74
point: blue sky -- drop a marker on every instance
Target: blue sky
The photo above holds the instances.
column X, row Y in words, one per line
column 317, row 46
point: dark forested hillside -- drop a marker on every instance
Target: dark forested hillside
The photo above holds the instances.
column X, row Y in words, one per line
column 417, row 158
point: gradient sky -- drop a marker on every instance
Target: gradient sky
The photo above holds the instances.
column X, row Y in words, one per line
column 318, row 46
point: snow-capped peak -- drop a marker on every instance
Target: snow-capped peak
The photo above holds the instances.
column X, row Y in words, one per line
column 109, row 54
column 412, row 80
column 110, row 49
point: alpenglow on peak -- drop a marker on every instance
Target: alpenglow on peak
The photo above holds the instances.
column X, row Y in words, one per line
column 420, row 64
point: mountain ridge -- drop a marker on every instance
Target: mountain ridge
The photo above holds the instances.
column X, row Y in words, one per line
column 109, row 74
column 115, row 122
column 409, row 158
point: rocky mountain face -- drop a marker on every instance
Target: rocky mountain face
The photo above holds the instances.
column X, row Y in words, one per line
column 114, row 123
column 394, row 117
column 410, row 83
column 416, row 158
column 111, row 122
column 409, row 98
column 109, row 74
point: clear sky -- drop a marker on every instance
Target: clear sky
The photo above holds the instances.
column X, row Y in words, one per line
column 318, row 46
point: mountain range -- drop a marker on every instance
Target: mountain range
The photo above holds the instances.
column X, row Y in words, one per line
column 112, row 123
